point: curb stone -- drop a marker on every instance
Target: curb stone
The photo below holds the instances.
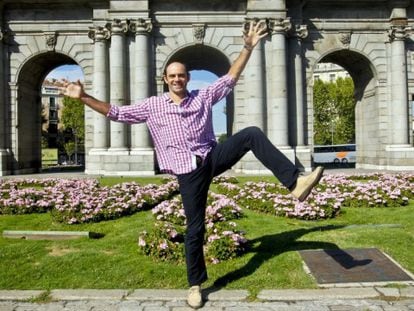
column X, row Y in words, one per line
column 333, row 299
column 88, row 294
column 213, row 296
column 19, row 295
column 407, row 292
column 181, row 294
column 319, row 294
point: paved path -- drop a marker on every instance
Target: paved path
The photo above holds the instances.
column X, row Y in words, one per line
column 331, row 299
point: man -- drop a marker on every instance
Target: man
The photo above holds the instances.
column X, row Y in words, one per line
column 180, row 123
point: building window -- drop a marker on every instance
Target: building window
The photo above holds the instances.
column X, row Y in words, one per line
column 53, row 117
column 331, row 77
column 52, row 103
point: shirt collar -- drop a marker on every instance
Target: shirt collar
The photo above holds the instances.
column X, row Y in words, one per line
column 167, row 98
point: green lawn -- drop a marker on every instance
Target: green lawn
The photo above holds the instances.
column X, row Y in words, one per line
column 114, row 261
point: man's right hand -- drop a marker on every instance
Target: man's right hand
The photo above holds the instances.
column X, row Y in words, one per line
column 76, row 90
column 71, row 89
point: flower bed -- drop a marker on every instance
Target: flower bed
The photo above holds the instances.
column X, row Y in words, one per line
column 333, row 193
column 222, row 240
column 76, row 201
column 373, row 190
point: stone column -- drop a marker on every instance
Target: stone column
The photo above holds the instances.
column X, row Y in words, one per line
column 277, row 99
column 300, row 34
column 100, row 82
column 3, row 132
column 399, row 88
column 118, row 140
column 255, row 86
column 297, row 100
column 140, row 140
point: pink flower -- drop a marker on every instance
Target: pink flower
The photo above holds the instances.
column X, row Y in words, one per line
column 141, row 242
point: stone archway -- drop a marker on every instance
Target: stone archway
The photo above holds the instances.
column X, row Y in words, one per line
column 26, row 139
column 132, row 41
column 202, row 57
column 367, row 108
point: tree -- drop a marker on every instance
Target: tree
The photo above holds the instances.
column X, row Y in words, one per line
column 73, row 119
column 334, row 112
column 70, row 149
column 73, row 116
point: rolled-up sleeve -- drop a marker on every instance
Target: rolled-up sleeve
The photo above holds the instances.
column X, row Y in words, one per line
column 220, row 89
column 137, row 113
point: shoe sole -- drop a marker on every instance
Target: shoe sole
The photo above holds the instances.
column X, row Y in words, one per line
column 195, row 306
column 315, row 182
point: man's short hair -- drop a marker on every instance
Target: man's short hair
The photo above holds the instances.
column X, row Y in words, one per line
column 175, row 61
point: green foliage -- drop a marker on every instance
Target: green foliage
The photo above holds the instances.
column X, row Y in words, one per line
column 69, row 148
column 164, row 243
column 222, row 138
column 221, row 242
column 73, row 117
column 334, row 112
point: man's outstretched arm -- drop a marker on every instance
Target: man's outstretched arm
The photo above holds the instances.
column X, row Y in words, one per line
column 251, row 38
column 76, row 90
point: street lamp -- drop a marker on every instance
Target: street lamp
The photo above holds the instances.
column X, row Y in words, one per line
column 76, row 144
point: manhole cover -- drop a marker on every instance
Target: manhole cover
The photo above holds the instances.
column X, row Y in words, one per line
column 367, row 265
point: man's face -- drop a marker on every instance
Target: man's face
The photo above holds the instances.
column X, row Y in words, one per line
column 177, row 78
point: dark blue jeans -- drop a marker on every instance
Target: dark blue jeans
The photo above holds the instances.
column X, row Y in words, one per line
column 194, row 187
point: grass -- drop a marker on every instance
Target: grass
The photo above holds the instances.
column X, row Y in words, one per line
column 114, row 261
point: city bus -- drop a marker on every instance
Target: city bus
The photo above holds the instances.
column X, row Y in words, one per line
column 334, row 154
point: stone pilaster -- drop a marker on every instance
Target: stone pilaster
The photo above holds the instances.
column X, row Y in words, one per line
column 117, row 59
column 277, row 95
column 254, row 86
column 100, row 36
column 399, row 88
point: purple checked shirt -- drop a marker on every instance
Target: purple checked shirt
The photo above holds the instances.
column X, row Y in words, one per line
column 180, row 132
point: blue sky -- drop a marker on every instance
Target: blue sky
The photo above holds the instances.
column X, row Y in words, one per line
column 69, row 72
column 199, row 79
